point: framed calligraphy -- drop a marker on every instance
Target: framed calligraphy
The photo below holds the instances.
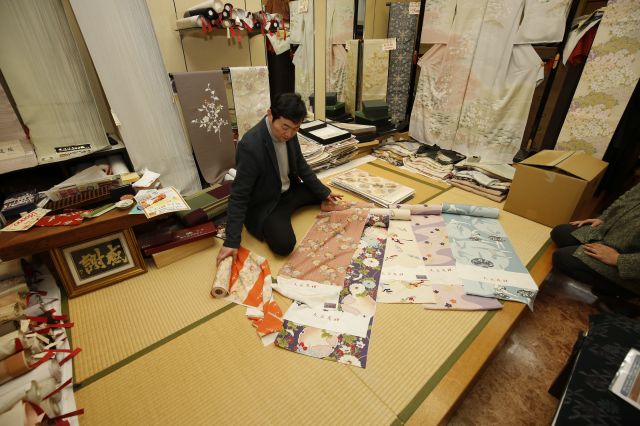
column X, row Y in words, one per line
column 99, row 262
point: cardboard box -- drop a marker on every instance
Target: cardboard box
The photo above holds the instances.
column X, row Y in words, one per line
column 553, row 187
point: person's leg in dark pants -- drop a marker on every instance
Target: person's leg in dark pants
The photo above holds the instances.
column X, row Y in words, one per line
column 277, row 229
column 561, row 235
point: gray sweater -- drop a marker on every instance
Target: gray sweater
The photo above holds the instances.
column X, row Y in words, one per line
column 620, row 230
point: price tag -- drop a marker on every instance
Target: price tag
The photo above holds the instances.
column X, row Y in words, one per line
column 389, row 44
column 303, row 6
column 414, row 8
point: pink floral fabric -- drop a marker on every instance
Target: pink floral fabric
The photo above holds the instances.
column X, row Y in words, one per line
column 326, row 251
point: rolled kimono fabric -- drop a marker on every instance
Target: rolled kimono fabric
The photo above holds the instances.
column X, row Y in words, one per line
column 467, row 210
column 220, row 287
column 421, row 209
column 394, row 214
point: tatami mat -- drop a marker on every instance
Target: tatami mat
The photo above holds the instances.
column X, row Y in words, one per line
column 216, row 370
column 219, row 373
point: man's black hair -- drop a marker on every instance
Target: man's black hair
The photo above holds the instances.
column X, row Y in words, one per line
column 289, row 106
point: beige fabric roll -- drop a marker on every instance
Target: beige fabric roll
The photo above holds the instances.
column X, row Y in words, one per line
column 10, row 312
column 8, row 344
column 220, row 287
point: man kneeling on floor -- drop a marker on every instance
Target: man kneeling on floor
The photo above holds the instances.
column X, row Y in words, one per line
column 272, row 180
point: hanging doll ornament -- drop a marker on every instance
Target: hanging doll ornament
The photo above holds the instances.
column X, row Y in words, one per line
column 227, row 20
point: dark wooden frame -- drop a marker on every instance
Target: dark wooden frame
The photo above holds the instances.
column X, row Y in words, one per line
column 75, row 288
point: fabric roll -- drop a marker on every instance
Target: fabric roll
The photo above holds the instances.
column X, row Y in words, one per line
column 121, row 40
column 246, row 281
column 14, row 297
column 13, row 366
column 11, row 312
column 15, row 415
column 35, row 393
column 11, row 285
column 393, row 213
column 421, row 209
column 467, row 210
column 220, row 287
column 607, row 81
column 250, row 96
column 8, row 344
column 375, row 70
column 205, row 109
column 351, row 78
column 57, row 105
column 117, row 164
column 402, row 27
column 50, row 369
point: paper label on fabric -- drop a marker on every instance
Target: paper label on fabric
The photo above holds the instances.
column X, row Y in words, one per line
column 11, row 149
column 303, row 6
column 26, row 221
column 389, row 44
column 317, row 295
column 335, row 321
column 414, row 8
column 496, row 277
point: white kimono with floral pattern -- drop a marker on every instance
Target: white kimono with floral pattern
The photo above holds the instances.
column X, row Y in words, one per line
column 476, row 84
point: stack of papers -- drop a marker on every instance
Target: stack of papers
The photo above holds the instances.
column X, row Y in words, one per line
column 155, row 202
column 381, row 191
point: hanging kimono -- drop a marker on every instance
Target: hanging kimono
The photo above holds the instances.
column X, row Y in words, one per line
column 476, row 84
column 607, row 82
column 402, row 27
column 340, row 15
column 351, row 82
column 375, row 70
column 303, row 58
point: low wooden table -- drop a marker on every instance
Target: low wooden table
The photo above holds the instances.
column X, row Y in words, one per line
column 39, row 239
column 94, row 254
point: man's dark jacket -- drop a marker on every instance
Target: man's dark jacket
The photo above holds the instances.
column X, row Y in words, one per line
column 256, row 188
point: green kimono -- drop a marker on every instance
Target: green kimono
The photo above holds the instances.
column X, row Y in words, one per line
column 621, row 231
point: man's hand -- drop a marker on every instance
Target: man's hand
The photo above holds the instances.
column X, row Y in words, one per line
column 605, row 254
column 333, row 198
column 592, row 222
column 226, row 252
column 332, row 203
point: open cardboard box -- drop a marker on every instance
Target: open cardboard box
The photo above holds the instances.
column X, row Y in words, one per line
column 553, row 187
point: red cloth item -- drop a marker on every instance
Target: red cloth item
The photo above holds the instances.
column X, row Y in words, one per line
column 62, row 219
column 581, row 51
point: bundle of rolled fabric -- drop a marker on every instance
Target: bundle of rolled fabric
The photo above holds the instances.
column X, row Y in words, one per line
column 35, row 375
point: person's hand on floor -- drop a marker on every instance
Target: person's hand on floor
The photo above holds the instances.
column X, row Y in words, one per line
column 592, row 222
column 332, row 203
column 226, row 252
column 605, row 254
